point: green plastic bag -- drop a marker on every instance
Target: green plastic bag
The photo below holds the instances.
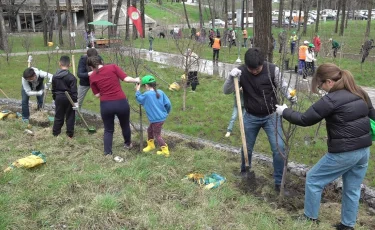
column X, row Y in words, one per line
column 372, row 123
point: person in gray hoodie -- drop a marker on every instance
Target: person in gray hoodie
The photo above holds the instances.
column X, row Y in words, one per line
column 63, row 81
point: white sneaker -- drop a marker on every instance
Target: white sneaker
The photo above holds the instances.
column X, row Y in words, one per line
column 227, row 134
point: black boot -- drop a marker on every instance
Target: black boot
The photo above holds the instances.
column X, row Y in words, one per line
column 340, row 226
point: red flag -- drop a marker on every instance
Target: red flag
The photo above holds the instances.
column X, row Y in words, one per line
column 135, row 16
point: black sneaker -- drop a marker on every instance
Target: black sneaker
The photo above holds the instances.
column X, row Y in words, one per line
column 128, row 146
column 340, row 226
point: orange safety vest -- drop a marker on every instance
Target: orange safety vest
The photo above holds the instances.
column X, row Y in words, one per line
column 216, row 44
column 302, row 52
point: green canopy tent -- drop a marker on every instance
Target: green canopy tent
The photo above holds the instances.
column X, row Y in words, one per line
column 101, row 23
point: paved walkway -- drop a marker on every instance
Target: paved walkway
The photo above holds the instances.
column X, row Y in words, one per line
column 205, row 66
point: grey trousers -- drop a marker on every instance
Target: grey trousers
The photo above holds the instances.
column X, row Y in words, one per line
column 82, row 91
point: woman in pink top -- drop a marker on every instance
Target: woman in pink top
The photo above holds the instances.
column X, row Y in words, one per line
column 105, row 84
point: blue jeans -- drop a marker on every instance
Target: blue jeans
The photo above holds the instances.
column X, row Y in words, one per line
column 252, row 125
column 352, row 166
column 234, row 117
column 25, row 104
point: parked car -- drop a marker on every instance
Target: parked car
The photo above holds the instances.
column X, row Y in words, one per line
column 285, row 23
column 217, row 23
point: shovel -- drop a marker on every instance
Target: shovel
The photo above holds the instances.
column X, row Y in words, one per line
column 89, row 129
column 240, row 117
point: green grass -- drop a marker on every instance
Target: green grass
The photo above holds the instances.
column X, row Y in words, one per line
column 206, row 116
column 78, row 188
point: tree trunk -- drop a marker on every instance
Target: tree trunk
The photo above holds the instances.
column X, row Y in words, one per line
column 186, row 15
column 247, row 13
column 318, row 16
column 262, row 27
column 337, row 17
column 347, row 17
column 51, row 24
column 90, row 15
column 142, row 6
column 281, row 9
column 127, row 21
column 110, row 17
column 299, row 15
column 343, row 14
column 305, row 17
column 369, row 7
column 59, row 23
column 291, row 13
column 226, row 15
column 135, row 33
column 117, row 15
column 69, row 20
column 242, row 15
column 200, row 14
column 85, row 17
column 211, row 14
column 43, row 11
column 3, row 32
column 233, row 13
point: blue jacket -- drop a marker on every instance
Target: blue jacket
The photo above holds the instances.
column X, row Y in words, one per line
column 157, row 109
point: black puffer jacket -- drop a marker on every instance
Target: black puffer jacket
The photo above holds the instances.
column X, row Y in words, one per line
column 347, row 120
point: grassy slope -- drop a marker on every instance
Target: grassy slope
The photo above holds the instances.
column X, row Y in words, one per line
column 80, row 189
column 207, row 115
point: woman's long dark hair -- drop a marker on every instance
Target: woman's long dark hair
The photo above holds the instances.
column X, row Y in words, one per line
column 343, row 80
column 153, row 85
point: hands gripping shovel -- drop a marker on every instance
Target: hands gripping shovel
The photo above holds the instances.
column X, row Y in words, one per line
column 240, row 117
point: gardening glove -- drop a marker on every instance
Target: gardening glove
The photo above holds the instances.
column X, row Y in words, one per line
column 235, row 72
column 75, row 107
column 280, row 109
column 293, row 99
column 39, row 93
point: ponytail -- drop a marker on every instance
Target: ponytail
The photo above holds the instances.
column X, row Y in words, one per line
column 153, row 85
column 346, row 81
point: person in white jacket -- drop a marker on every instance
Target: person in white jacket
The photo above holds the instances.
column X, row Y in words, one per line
column 310, row 59
column 32, row 85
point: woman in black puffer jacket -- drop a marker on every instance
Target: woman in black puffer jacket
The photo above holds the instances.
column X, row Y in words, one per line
column 347, row 110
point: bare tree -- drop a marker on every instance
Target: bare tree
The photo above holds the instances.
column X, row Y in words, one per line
column 343, row 14
column 117, row 15
column 26, row 43
column 186, row 15
column 12, row 8
column 338, row 16
column 3, row 32
column 306, row 17
column 299, row 15
column 127, row 22
column 90, row 14
column 43, row 11
column 211, row 14
column 318, row 16
column 110, row 18
column 69, row 19
column 85, row 14
column 225, row 15
column 200, row 14
column 142, row 6
column 369, row 7
column 281, row 10
column 59, row 23
column 262, row 27
column 234, row 12
column 135, row 33
column 291, row 13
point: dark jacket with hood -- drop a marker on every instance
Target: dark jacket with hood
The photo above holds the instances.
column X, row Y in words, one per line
column 347, row 120
column 63, row 81
column 83, row 71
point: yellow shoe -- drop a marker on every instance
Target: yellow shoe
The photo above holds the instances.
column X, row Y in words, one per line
column 164, row 151
column 150, row 146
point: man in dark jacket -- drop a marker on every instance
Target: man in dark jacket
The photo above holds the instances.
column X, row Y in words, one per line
column 259, row 81
column 63, row 81
column 84, row 73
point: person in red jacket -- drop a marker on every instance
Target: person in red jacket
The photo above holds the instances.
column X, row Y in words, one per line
column 105, row 84
column 317, row 43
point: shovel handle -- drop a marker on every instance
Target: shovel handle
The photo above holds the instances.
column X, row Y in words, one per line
column 240, row 118
column 72, row 102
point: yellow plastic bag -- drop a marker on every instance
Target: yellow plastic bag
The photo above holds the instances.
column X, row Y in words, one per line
column 37, row 158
